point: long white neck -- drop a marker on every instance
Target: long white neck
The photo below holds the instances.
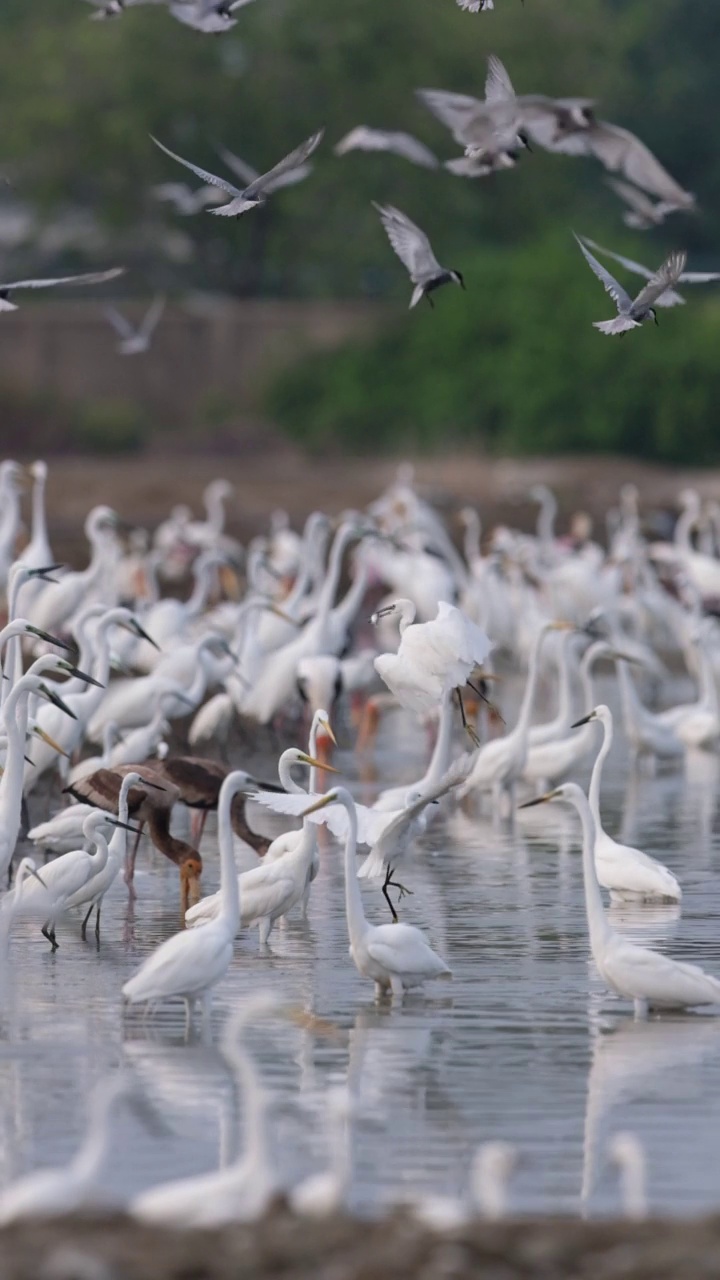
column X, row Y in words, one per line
column 685, row 524
column 203, row 581
column 347, row 608
column 39, row 535
column 471, row 541
column 598, row 926
column 118, row 840
column 356, row 922
column 596, row 776
column 546, row 521
column 440, row 759
column 343, row 538
column 523, row 720
column 633, row 710
column 11, row 783
column 229, row 886
column 255, row 1153
column 215, row 509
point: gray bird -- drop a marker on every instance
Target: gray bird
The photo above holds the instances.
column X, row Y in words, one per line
column 414, row 251
column 211, row 17
column 466, row 167
column 135, row 341
column 642, row 213
column 89, row 277
column 105, row 9
column 255, row 192
column 363, row 138
column 670, row 298
column 246, row 173
column 633, row 311
column 549, row 120
column 486, row 129
column 184, row 199
column 622, row 152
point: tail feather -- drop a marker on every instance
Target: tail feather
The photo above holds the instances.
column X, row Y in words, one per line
column 619, row 324
column 417, row 294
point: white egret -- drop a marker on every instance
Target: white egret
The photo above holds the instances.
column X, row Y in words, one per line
column 96, row 886
column 649, row 979
column 57, row 604
column 66, row 875
column 190, row 964
column 395, row 956
column 626, row 872
column 325, row 1193
column 272, row 889
column 52, row 1192
column 628, row 1153
column 242, row 1191
column 434, row 658
column 499, row 764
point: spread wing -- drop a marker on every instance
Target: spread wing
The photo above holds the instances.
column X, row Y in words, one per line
column 621, row 299
column 698, row 277
column 122, row 327
column 291, row 161
column 410, row 243
column 633, row 197
column 371, row 822
column 88, row 277
column 243, row 171
column 212, row 178
column 665, row 278
column 636, row 267
column 498, row 85
column 394, row 839
column 363, row 138
column 621, row 151
column 454, row 110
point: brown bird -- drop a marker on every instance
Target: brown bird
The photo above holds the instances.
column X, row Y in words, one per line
column 154, row 807
column 199, row 781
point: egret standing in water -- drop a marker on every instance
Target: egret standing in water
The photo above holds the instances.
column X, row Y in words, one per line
column 649, row 979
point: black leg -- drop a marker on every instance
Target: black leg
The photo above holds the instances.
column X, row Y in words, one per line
column 97, row 921
column 83, row 929
column 485, row 699
column 387, row 897
column 467, row 727
column 48, row 930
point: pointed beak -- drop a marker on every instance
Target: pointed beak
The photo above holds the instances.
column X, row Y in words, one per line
column 319, row 804
column 45, row 635
column 142, row 633
column 549, row 795
column 57, row 701
column 585, row 720
column 83, row 675
column 318, row 764
column 44, row 574
column 115, row 822
column 51, row 742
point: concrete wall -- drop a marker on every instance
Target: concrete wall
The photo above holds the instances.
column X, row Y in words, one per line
column 202, row 348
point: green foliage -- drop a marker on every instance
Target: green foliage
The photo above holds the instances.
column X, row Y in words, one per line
column 514, row 365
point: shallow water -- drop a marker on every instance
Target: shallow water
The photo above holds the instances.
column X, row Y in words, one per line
column 523, row 1044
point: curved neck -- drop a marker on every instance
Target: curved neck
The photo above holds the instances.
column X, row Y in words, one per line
column 87, row 1164
column 343, row 538
column 243, row 830
column 118, row 840
column 686, row 523
column 255, row 1152
column 16, row 718
column 215, row 510
column 596, row 776
column 356, row 922
column 176, row 850
column 286, row 779
column 597, row 924
column 546, row 520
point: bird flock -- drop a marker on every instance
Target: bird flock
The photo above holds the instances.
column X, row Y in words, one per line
column 493, row 131
column 181, row 650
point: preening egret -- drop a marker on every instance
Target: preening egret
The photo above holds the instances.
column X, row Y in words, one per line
column 626, row 872
column 649, row 979
column 190, row 964
column 51, row 1192
column 395, row 956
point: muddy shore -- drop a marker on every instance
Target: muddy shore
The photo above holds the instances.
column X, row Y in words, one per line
column 341, row 1248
